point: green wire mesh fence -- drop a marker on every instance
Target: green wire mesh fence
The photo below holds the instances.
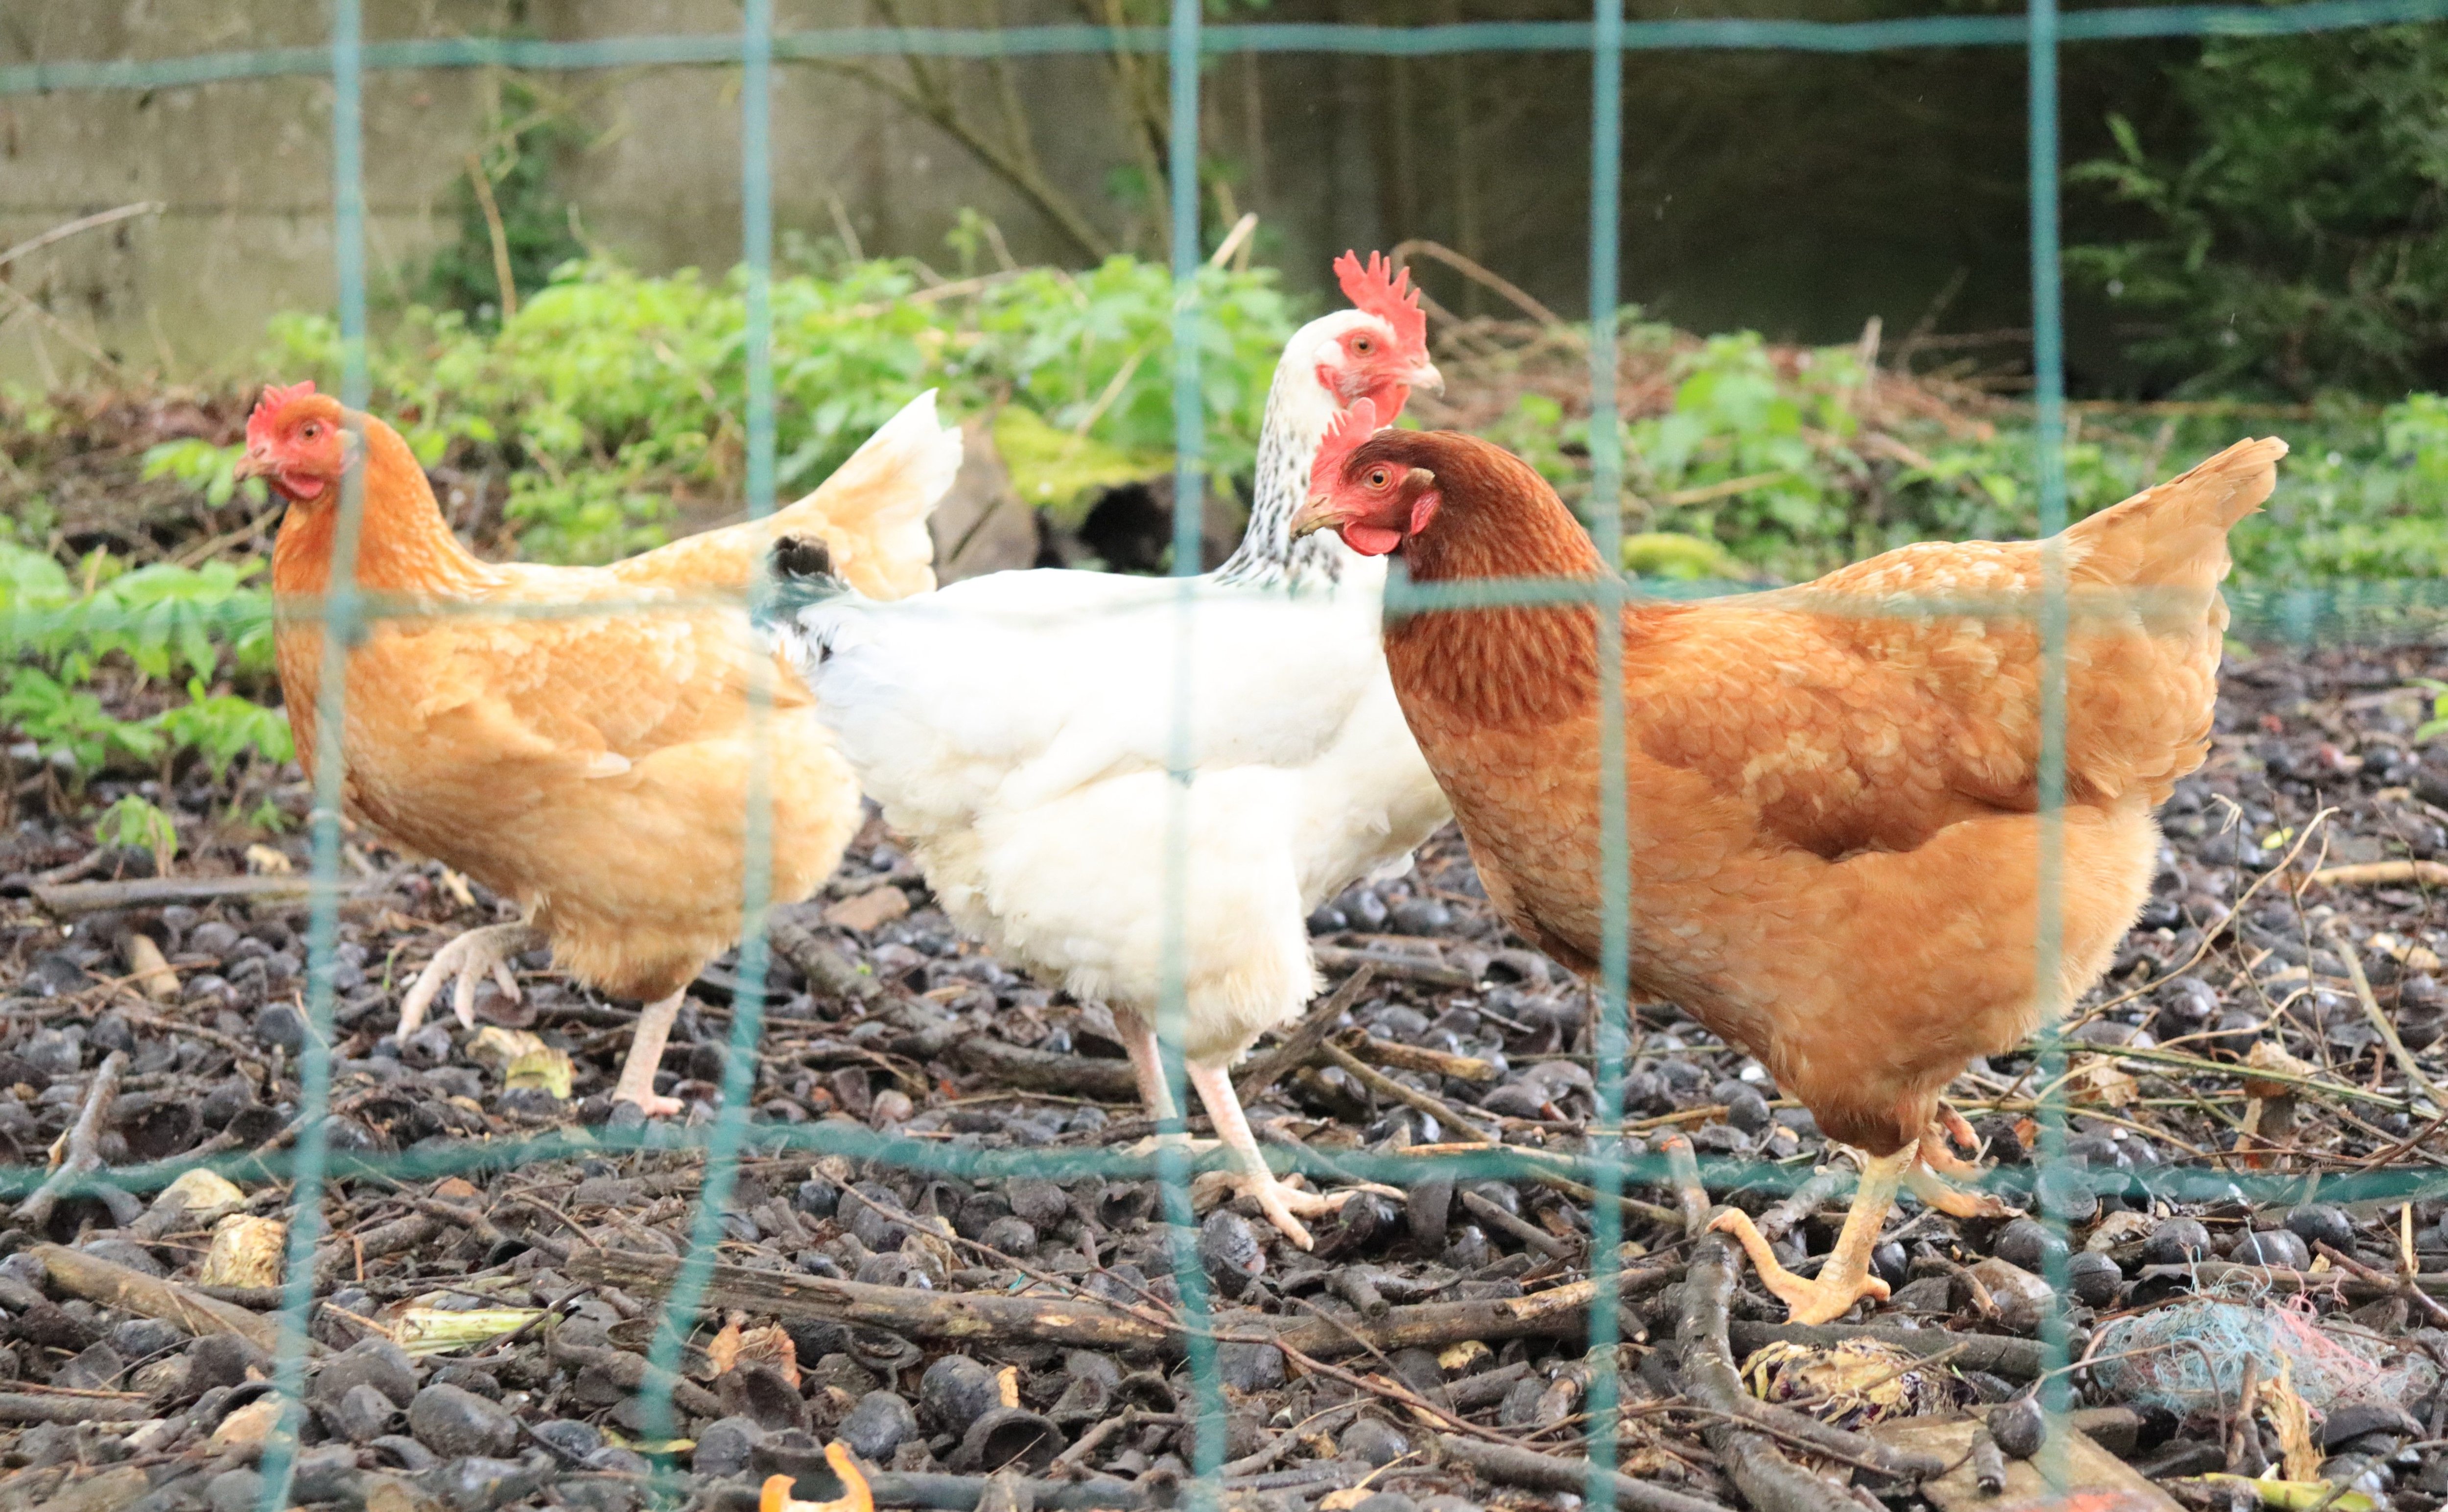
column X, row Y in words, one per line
column 2338, row 612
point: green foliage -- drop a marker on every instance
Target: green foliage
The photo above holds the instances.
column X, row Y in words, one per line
column 2432, row 728
column 220, row 727
column 2297, row 232
column 209, row 470
column 157, row 622
column 67, row 721
column 139, row 826
column 612, row 395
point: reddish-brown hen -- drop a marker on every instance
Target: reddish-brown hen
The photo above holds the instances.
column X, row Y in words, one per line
column 1833, row 789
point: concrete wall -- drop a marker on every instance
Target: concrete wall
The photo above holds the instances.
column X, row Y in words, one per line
column 244, row 168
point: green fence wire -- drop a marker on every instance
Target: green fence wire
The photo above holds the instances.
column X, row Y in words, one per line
column 2302, row 614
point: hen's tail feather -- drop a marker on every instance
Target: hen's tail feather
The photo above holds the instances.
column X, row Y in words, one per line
column 884, row 493
column 2175, row 535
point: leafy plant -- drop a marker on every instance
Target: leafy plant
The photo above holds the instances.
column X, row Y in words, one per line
column 136, row 825
column 209, row 470
column 614, row 398
column 220, row 727
column 69, row 724
column 2297, row 227
column 2432, row 728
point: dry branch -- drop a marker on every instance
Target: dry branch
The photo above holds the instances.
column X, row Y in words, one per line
column 1507, row 1465
column 83, row 1152
column 132, row 1291
column 1297, row 1048
column 1084, row 1323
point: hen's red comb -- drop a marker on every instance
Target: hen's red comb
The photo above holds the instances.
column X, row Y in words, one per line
column 276, row 399
column 1343, row 437
column 1388, row 295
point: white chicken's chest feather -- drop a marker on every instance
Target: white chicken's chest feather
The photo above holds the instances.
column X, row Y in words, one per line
column 1022, row 732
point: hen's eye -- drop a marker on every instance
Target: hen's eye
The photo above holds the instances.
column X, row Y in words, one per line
column 1377, row 477
column 1364, row 346
column 311, row 431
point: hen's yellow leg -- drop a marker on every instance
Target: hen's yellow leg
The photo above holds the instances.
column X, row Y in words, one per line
column 637, row 1083
column 467, row 961
column 1845, row 1278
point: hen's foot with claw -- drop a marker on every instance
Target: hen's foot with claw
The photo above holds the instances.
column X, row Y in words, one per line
column 465, row 962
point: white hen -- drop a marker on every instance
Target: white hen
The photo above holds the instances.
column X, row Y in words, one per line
column 1017, row 728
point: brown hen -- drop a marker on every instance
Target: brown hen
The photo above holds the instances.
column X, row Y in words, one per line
column 1832, row 788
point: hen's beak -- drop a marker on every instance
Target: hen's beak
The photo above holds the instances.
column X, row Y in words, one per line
column 1427, row 376
column 1318, row 513
column 255, row 465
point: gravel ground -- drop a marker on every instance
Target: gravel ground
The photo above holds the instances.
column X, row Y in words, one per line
column 1428, row 1354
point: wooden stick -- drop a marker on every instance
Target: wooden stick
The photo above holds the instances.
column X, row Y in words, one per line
column 148, row 893
column 1299, row 1047
column 1386, row 1086
column 1507, row 1465
column 1413, row 1057
column 1409, row 967
column 1521, row 1228
column 1044, row 1071
column 2414, row 1073
column 132, row 1291
column 1081, row 1322
column 83, row 1152
column 2373, row 873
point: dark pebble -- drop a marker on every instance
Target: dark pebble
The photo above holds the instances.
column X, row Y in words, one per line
column 361, row 1415
column 2064, row 1192
column 1364, row 908
column 2027, row 1243
column 480, row 1483
column 955, row 1392
column 97, row 1369
column 1374, row 1440
column 452, row 1421
column 377, row 1363
column 1748, row 1111
column 239, row 1490
column 403, row 1452
column 725, row 1446
column 1327, row 920
column 1469, row 1248
column 2353, row 1419
column 2319, row 1223
column 571, row 1437
column 144, row 1338
column 879, row 1423
column 326, row 1475
column 2282, row 1248
column 1040, row 1203
column 223, row 1360
column 280, row 1026
column 125, row 1252
column 2019, row 1427
column 1420, row 917
column 1229, row 1249
column 2093, row 1277
column 816, row 1198
column 1890, row 1263
column 1248, row 1366
column 2177, row 1241
column 1011, row 1234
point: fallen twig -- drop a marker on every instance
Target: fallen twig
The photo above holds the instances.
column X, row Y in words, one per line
column 1386, row 1086
column 2373, row 873
column 1507, row 1465
column 1388, row 962
column 132, row 1291
column 1296, row 1048
column 153, row 893
column 2414, row 1073
column 80, row 1148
